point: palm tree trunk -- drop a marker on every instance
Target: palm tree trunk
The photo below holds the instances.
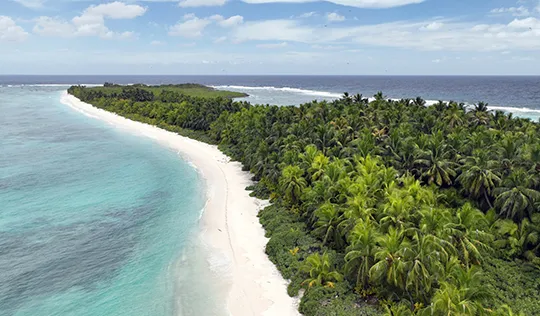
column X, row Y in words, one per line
column 487, row 199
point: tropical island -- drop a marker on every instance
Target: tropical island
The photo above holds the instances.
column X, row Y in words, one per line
column 378, row 207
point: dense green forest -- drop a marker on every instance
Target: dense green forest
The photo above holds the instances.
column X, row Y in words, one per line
column 381, row 207
column 190, row 89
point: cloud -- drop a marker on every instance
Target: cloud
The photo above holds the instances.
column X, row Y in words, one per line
column 9, row 31
column 436, row 61
column 331, row 47
column 32, row 4
column 515, row 11
column 433, row 26
column 273, row 45
column 527, row 23
column 91, row 22
column 350, row 3
column 220, row 39
column 115, row 10
column 520, row 34
column 230, row 22
column 156, row 43
column 334, row 17
column 48, row 26
column 191, row 27
column 308, row 15
column 274, row 30
column 201, row 3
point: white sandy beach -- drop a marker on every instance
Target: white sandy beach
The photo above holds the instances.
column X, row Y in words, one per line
column 229, row 223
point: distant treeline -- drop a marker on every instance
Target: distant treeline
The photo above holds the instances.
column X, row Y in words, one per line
column 383, row 207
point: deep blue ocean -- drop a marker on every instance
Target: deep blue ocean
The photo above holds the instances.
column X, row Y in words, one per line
column 501, row 91
column 97, row 221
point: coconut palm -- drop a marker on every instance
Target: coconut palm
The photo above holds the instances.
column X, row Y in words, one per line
column 328, row 219
column 292, row 183
column 519, row 239
column 360, row 255
column 454, row 115
column 515, row 200
column 320, row 271
column 391, row 259
column 478, row 180
column 436, row 167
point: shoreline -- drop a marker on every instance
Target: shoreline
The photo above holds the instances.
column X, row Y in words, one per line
column 229, row 223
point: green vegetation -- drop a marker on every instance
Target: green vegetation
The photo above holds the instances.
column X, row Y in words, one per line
column 189, row 89
column 382, row 207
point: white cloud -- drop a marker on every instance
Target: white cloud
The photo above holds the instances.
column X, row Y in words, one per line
column 350, row 3
column 48, row 26
column 32, row 4
column 308, row 15
column 115, row 10
column 436, row 61
column 433, row 26
column 190, row 16
column 191, row 27
column 201, row 3
column 331, row 47
column 273, row 45
column 156, row 43
column 515, row 11
column 274, row 30
column 91, row 22
column 230, row 22
column 215, row 17
column 454, row 36
column 9, row 31
column 334, row 17
column 527, row 23
column 220, row 39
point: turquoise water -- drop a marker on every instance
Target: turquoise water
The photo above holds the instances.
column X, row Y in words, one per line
column 93, row 220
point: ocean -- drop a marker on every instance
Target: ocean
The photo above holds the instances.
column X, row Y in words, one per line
column 94, row 220
column 97, row 221
column 518, row 93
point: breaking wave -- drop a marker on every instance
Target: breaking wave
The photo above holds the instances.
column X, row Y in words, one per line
column 325, row 94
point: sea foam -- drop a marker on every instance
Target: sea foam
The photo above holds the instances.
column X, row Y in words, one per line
column 325, row 94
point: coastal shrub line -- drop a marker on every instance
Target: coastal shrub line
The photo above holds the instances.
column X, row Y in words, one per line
column 382, row 207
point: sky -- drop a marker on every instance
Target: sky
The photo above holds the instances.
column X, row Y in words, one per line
column 334, row 37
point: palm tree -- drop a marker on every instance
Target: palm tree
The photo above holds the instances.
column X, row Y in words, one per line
column 519, row 240
column 515, row 200
column 328, row 218
column 360, row 255
column 453, row 300
column 454, row 115
column 419, row 101
column 477, row 179
column 391, row 259
column 466, row 233
column 292, row 183
column 358, row 98
column 308, row 156
column 481, row 107
column 459, row 295
column 436, row 167
column 346, row 97
column 318, row 166
column 320, row 271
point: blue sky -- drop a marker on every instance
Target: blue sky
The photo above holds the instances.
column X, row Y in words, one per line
column 445, row 37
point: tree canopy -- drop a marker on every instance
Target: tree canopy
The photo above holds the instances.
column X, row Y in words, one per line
column 379, row 207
